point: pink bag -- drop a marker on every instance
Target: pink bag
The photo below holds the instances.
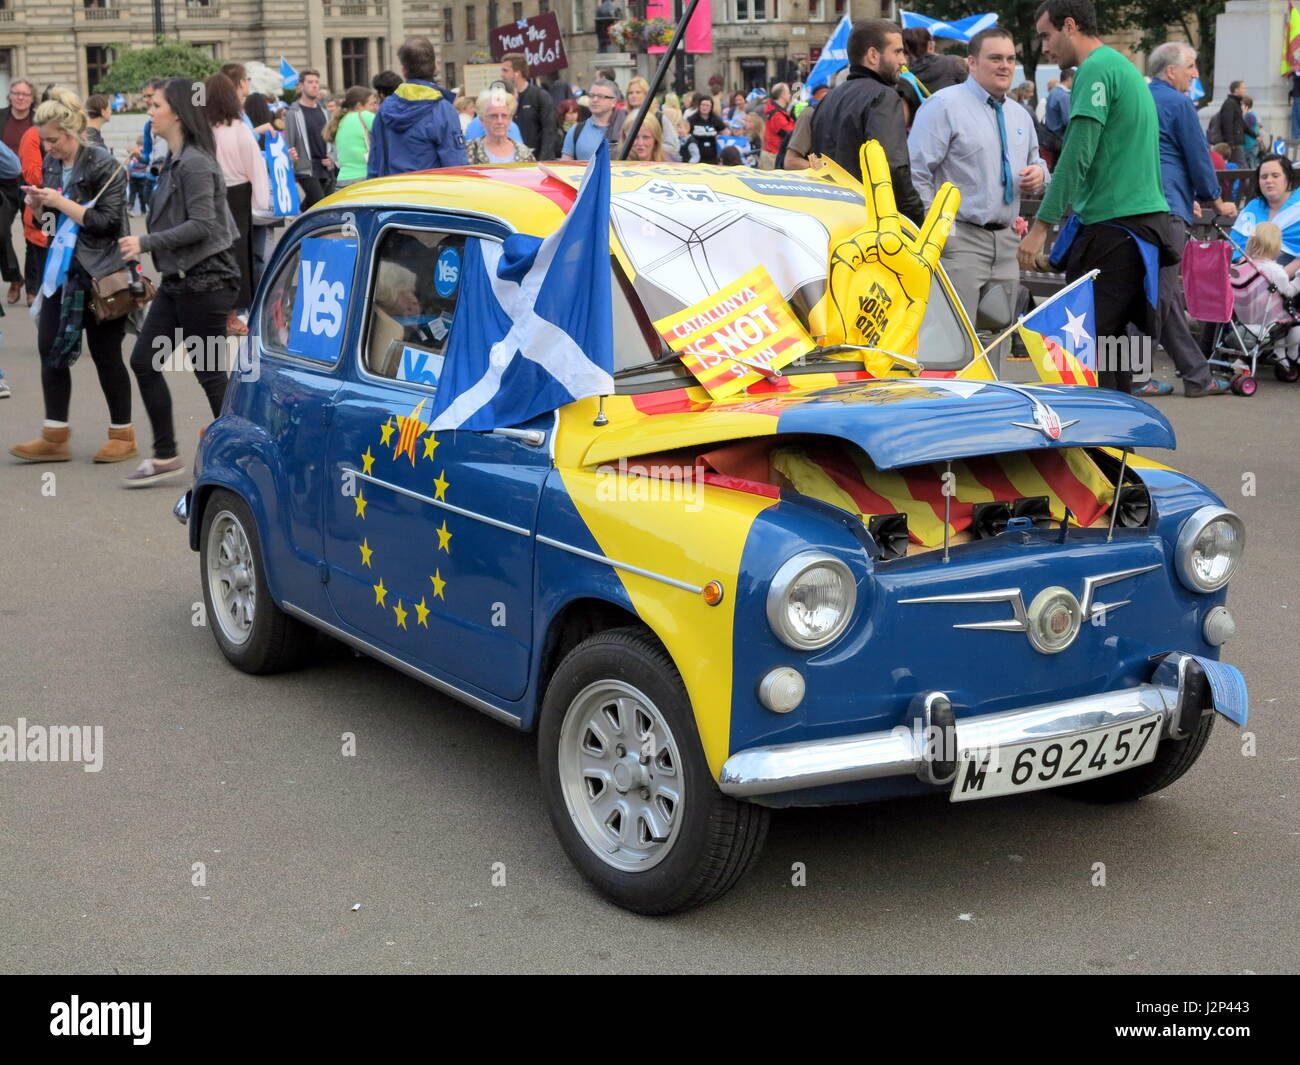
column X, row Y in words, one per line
column 1206, row 281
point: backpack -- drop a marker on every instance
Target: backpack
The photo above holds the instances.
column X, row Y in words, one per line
column 1215, row 132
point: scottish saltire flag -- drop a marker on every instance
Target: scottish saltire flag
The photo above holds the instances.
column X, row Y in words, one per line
column 962, row 29
column 58, row 257
column 1061, row 337
column 288, row 73
column 535, row 325
column 834, row 58
column 1196, row 90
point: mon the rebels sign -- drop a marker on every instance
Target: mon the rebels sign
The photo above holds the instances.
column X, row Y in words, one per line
column 538, row 38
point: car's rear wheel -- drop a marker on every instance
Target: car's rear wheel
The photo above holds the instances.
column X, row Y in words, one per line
column 252, row 632
column 627, row 785
column 1173, row 759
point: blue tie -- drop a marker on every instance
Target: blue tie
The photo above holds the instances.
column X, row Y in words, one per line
column 1008, row 188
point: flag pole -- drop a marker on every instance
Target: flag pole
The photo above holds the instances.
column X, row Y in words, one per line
column 658, row 79
column 1025, row 317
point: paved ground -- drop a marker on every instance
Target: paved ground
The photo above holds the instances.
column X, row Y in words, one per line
column 204, row 764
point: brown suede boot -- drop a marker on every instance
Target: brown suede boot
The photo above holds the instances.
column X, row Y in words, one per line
column 51, row 447
column 121, row 445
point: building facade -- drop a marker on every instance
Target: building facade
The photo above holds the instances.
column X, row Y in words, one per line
column 74, row 42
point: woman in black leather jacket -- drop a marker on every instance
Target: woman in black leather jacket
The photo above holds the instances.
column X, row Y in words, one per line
column 190, row 236
column 75, row 174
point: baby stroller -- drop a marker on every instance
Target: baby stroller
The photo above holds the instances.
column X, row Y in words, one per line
column 1250, row 315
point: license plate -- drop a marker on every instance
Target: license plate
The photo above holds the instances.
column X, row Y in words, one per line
column 991, row 771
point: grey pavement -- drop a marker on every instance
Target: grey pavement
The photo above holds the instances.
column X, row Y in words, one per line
column 245, row 775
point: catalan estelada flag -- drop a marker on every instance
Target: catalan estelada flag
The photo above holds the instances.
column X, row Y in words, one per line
column 1061, row 337
column 1291, row 42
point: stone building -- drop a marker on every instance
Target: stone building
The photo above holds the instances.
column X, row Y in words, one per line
column 754, row 41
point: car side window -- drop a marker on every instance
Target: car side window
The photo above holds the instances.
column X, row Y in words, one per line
column 415, row 283
column 281, row 301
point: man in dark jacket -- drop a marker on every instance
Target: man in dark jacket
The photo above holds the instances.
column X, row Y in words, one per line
column 417, row 128
column 534, row 110
column 1232, row 122
column 867, row 107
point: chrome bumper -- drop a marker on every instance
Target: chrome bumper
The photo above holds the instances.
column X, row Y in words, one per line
column 1177, row 690
column 181, row 511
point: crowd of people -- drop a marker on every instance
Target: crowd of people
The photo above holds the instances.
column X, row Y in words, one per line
column 1124, row 161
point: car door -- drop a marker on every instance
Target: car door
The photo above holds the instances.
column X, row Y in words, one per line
column 429, row 536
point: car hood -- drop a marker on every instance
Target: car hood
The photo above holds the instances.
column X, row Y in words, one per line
column 899, row 422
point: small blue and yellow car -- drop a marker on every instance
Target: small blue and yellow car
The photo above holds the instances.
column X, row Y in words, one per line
column 824, row 582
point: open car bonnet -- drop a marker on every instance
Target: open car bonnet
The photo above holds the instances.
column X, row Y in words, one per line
column 897, row 422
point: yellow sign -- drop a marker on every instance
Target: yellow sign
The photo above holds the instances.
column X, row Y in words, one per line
column 724, row 338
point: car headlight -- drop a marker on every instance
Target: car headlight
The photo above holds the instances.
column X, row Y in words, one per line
column 1210, row 545
column 811, row 600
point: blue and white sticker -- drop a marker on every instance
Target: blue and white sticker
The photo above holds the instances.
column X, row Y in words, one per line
column 420, row 367
column 446, row 272
column 325, row 270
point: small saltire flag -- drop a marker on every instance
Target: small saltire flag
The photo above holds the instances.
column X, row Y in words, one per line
column 1062, row 339
column 834, row 57
column 1196, row 91
column 58, row 257
column 289, row 75
column 542, row 331
column 1291, row 42
column 962, row 29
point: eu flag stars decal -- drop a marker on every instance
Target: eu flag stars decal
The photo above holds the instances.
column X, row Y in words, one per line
column 404, row 437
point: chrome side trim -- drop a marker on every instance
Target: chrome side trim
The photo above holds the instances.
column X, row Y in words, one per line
column 671, row 581
column 405, row 667
column 1018, row 622
column 495, row 522
column 900, row 751
column 1091, row 584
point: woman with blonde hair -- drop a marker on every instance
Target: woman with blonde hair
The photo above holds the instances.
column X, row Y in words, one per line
column 496, row 109
column 464, row 106
column 81, row 182
column 669, row 117
column 648, row 147
column 349, row 132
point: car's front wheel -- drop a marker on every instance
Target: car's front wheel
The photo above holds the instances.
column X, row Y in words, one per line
column 627, row 785
column 252, row 632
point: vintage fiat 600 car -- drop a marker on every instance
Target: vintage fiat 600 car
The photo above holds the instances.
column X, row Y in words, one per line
column 828, row 586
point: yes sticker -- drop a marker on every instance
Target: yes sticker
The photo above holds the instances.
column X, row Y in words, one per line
column 446, row 272
column 325, row 269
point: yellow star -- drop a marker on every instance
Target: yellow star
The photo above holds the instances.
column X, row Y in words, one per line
column 438, row 584
column 366, row 552
column 386, row 431
column 431, row 443
column 361, row 505
column 422, row 613
column 367, row 460
column 380, row 592
column 441, row 485
column 401, row 615
column 444, row 538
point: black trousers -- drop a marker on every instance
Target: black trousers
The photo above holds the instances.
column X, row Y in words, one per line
column 1119, row 297
column 240, row 199
column 312, row 191
column 105, row 342
column 11, row 205
column 197, row 322
column 34, row 270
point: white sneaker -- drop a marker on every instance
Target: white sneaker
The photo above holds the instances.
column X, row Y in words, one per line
column 5, row 391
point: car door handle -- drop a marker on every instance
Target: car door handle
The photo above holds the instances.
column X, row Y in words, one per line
column 531, row 437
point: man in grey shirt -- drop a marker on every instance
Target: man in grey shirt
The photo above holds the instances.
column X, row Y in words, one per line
column 973, row 135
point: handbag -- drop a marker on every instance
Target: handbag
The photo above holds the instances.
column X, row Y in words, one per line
column 111, row 296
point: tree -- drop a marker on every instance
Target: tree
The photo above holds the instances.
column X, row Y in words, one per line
column 170, row 60
column 1196, row 20
column 1017, row 17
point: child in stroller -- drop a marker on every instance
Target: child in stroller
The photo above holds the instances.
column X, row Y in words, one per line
column 1263, row 299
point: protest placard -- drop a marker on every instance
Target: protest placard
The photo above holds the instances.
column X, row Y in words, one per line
column 538, row 38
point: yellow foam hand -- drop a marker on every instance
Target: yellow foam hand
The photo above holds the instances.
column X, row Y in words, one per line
column 879, row 277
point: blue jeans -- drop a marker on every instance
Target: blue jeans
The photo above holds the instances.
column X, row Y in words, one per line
column 1295, row 118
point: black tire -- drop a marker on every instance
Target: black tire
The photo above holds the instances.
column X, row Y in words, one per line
column 717, row 838
column 1173, row 759
column 274, row 641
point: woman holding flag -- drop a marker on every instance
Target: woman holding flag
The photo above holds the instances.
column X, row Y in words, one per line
column 84, row 190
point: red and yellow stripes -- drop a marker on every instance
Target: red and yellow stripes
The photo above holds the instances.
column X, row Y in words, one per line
column 1054, row 364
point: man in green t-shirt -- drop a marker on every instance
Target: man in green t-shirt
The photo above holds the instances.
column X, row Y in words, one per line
column 1109, row 172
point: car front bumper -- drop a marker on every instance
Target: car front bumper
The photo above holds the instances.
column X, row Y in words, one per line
column 1179, row 690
